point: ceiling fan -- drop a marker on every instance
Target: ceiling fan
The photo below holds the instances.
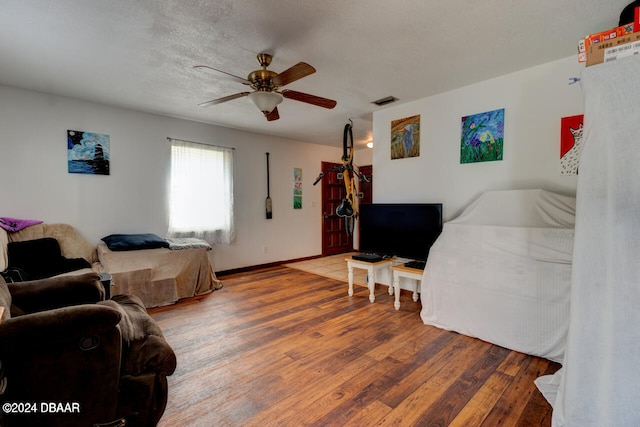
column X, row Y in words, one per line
column 266, row 86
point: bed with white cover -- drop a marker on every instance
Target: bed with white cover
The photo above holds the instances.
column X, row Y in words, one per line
column 501, row 272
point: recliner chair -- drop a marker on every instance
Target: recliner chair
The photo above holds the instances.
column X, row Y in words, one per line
column 69, row 358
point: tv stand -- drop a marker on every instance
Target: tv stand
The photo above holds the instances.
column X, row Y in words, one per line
column 410, row 273
column 371, row 268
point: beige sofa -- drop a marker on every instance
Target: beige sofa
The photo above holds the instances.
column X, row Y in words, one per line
column 157, row 276
column 72, row 244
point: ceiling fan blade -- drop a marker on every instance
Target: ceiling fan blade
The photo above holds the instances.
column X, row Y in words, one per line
column 223, row 99
column 274, row 115
column 309, row 99
column 298, row 71
column 236, row 78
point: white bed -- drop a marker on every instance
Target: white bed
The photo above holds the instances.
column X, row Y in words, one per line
column 501, row 272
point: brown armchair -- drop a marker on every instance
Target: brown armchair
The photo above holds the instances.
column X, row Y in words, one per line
column 68, row 358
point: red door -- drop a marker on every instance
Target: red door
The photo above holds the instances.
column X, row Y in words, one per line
column 334, row 237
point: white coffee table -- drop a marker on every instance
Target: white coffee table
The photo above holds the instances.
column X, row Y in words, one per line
column 371, row 268
column 410, row 273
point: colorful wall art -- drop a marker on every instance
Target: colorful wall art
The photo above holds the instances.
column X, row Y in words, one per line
column 570, row 143
column 297, row 188
column 405, row 137
column 482, row 137
column 87, row 152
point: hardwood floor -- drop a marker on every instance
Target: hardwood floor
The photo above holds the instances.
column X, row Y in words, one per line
column 282, row 347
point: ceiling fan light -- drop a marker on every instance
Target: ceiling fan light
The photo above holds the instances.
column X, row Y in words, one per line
column 265, row 101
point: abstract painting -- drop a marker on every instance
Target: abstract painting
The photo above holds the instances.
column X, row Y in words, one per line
column 570, row 143
column 482, row 137
column 87, row 152
column 297, row 188
column 405, row 137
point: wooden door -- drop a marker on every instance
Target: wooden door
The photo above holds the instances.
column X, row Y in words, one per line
column 334, row 236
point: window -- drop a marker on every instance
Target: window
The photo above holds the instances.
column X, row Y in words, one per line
column 201, row 192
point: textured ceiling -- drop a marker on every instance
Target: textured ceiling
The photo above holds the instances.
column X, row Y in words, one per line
column 140, row 54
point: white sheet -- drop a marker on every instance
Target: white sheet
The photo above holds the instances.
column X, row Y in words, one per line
column 508, row 285
column 599, row 384
column 520, row 208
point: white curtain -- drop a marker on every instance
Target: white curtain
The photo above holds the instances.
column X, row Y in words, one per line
column 201, row 192
column 599, row 383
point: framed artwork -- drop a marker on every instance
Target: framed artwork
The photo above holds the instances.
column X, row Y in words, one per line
column 87, row 152
column 482, row 137
column 297, row 188
column 570, row 143
column 405, row 137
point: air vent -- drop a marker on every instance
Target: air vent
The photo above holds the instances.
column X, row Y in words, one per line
column 385, row 101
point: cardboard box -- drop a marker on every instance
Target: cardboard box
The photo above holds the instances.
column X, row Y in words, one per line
column 585, row 44
column 614, row 49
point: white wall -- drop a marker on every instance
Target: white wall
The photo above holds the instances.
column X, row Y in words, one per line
column 35, row 183
column 534, row 100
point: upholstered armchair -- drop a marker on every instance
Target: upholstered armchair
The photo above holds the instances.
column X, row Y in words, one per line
column 69, row 358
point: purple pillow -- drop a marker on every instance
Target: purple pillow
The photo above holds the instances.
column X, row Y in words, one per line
column 14, row 224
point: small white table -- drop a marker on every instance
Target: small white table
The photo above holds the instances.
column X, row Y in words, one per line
column 371, row 268
column 410, row 273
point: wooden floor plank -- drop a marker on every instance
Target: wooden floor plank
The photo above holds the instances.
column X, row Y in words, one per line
column 478, row 407
column 436, row 379
column 282, row 347
column 512, row 404
column 455, row 397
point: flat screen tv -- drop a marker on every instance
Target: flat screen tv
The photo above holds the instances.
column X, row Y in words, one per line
column 405, row 230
